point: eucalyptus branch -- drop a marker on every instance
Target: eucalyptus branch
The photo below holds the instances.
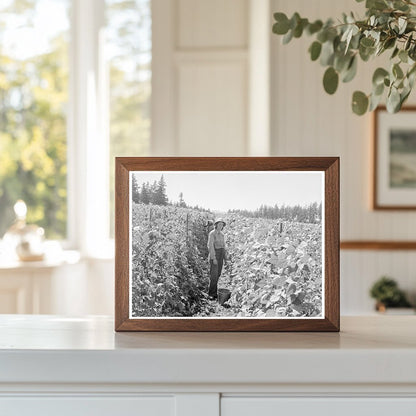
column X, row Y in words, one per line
column 388, row 26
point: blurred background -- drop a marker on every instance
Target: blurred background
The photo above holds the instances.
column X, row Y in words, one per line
column 83, row 81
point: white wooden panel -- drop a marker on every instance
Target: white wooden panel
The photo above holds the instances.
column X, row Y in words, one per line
column 212, row 108
column 16, row 291
column 9, row 300
column 259, row 72
column 212, row 24
column 87, row 406
column 197, row 404
column 163, row 126
column 317, row 407
column 308, row 122
column 359, row 271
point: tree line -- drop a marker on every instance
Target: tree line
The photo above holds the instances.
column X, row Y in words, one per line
column 311, row 213
column 150, row 193
column 155, row 193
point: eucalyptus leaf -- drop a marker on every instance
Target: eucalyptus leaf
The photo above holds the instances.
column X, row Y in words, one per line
column 330, row 80
column 397, row 71
column 314, row 27
column 327, row 54
column 403, row 56
column 322, row 36
column 393, row 101
column 379, row 75
column 395, row 52
column 404, row 95
column 376, row 4
column 411, row 78
column 402, row 22
column 298, row 30
column 367, row 42
column 389, row 43
column 341, row 62
column 281, row 27
column 366, row 53
column 315, row 50
column 408, row 42
column 374, row 102
column 378, row 89
column 359, row 103
column 294, row 20
column 288, row 37
column 351, row 71
column 400, row 5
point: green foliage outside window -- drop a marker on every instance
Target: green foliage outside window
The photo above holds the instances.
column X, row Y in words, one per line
column 33, row 97
column 34, row 102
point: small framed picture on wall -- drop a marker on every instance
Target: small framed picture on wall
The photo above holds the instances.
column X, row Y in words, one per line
column 394, row 158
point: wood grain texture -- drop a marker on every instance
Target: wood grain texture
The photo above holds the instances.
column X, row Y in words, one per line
column 330, row 165
column 121, row 244
column 332, row 226
column 376, row 204
column 378, row 245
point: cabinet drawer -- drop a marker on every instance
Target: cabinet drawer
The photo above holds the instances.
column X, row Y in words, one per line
column 273, row 406
column 87, row 406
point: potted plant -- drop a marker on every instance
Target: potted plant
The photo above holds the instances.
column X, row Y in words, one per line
column 389, row 27
column 387, row 294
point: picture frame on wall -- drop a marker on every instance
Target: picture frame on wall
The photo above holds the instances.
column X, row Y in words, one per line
column 394, row 159
column 227, row 244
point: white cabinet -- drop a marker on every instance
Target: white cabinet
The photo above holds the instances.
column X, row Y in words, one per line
column 88, row 406
column 38, row 287
column 271, row 406
column 80, row 366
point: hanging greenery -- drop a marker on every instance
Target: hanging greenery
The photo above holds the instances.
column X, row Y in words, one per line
column 389, row 27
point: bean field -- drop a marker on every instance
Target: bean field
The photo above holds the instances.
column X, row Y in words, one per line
column 274, row 267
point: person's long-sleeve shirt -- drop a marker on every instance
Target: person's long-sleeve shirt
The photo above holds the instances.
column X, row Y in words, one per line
column 215, row 241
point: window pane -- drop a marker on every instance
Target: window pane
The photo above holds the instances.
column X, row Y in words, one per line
column 33, row 100
column 129, row 46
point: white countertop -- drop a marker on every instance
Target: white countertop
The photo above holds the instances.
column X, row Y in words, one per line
column 50, row 349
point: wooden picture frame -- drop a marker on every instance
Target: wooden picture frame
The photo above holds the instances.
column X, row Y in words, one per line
column 300, row 314
column 394, row 154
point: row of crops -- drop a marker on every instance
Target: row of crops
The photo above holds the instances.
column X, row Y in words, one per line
column 274, row 267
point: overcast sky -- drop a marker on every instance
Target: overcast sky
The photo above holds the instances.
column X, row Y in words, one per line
column 221, row 191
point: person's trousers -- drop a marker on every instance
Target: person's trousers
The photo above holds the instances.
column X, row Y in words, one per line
column 215, row 272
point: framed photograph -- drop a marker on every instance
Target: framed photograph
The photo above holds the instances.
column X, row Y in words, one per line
column 227, row 244
column 394, row 159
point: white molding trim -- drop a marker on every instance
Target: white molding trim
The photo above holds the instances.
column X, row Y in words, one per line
column 259, row 78
column 87, row 135
column 164, row 115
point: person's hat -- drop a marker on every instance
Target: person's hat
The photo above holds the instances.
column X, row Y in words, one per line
column 219, row 220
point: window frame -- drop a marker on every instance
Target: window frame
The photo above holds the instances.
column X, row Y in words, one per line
column 87, row 133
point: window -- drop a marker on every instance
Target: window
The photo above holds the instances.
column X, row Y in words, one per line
column 75, row 87
column 129, row 46
column 33, row 97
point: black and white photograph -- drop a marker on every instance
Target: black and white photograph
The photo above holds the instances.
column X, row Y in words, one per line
column 226, row 244
column 394, row 159
column 403, row 158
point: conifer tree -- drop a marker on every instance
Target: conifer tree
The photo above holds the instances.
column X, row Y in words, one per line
column 135, row 191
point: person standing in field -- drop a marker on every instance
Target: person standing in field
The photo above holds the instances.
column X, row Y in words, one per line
column 217, row 256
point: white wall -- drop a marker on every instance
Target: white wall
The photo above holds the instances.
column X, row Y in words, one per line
column 200, row 77
column 308, row 122
column 211, row 95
